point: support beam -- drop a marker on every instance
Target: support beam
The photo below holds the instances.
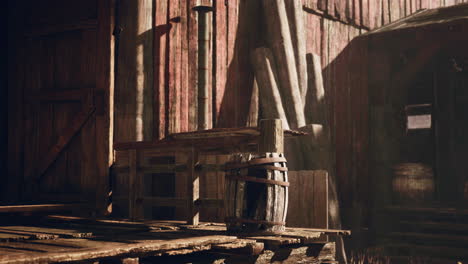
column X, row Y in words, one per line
column 271, row 136
column 193, row 212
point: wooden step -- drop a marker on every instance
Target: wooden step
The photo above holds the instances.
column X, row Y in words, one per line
column 427, row 211
column 434, row 227
column 428, row 239
column 437, row 254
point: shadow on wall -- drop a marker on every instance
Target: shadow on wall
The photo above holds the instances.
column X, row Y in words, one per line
column 249, row 34
column 346, row 96
column 134, row 72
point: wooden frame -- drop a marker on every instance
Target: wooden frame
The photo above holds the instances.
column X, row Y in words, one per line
column 187, row 149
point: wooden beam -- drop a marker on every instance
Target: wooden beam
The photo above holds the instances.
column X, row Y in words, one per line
column 272, row 137
column 40, row 208
column 279, row 40
column 193, row 214
column 266, row 75
column 65, row 137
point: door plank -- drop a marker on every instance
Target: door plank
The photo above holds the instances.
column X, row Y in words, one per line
column 63, row 141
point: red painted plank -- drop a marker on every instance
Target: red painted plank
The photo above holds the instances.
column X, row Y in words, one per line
column 407, row 7
column 192, row 67
column 414, row 6
column 365, row 13
column 385, row 12
column 450, row 2
column 331, row 8
column 184, row 84
column 375, row 13
column 340, row 9
column 349, row 9
column 357, row 12
column 160, row 76
column 174, row 68
column 229, row 115
column 324, row 44
column 220, row 55
column 394, row 10
column 312, row 4
column 322, row 5
column 425, row 4
column 314, row 33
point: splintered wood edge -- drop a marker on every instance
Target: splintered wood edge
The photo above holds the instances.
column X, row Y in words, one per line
column 183, row 246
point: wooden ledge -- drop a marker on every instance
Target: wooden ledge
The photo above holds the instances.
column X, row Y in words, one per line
column 40, row 207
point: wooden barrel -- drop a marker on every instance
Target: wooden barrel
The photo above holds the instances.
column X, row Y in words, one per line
column 413, row 183
column 256, row 198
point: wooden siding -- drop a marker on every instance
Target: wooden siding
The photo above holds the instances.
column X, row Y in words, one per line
column 60, row 121
column 237, row 28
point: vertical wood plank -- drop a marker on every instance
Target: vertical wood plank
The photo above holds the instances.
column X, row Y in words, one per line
column 181, row 181
column 331, row 8
column 450, row 2
column 135, row 207
column 134, row 104
column 220, row 55
column 229, row 115
column 349, row 9
column 184, row 66
column 385, row 12
column 105, row 87
column 425, row 4
column 161, row 38
column 357, row 12
column 407, row 7
column 193, row 66
column 193, row 213
column 308, row 200
column 365, row 13
column 174, row 50
column 414, row 6
column 340, row 9
column 314, row 33
column 375, row 13
column 221, row 160
column 394, row 10
column 209, row 188
column 322, row 5
column 312, row 4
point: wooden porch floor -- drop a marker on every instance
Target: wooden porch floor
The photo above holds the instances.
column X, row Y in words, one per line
column 57, row 238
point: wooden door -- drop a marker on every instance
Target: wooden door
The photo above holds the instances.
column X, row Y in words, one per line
column 452, row 127
column 66, row 82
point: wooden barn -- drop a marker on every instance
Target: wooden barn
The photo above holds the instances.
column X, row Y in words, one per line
column 414, row 80
column 234, row 131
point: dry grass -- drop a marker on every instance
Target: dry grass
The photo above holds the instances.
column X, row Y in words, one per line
column 377, row 256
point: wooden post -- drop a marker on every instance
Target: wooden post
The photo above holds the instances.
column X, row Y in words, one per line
column 279, row 40
column 266, row 76
column 298, row 38
column 271, row 136
column 193, row 212
column 204, row 73
column 315, row 106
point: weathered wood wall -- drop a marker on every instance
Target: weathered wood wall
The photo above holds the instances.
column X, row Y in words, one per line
column 237, row 29
column 59, row 101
